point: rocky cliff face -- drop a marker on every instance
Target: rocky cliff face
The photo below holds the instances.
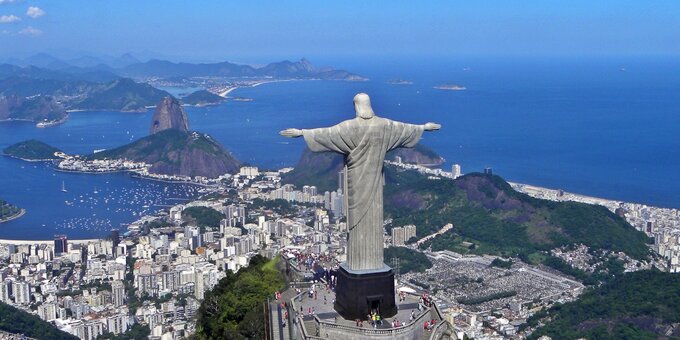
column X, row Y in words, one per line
column 169, row 115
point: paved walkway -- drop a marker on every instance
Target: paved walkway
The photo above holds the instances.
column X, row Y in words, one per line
column 322, row 306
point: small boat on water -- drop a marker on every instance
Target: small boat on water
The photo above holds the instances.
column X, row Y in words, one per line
column 63, row 187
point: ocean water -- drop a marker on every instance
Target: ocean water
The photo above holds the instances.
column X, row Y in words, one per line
column 601, row 127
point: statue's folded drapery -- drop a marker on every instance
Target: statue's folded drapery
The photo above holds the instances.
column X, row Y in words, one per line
column 364, row 142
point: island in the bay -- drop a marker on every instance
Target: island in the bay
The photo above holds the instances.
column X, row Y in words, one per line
column 450, row 87
column 9, row 211
column 399, row 82
column 43, row 90
column 32, row 150
column 202, row 98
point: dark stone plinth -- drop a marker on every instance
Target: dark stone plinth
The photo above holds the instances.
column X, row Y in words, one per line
column 359, row 291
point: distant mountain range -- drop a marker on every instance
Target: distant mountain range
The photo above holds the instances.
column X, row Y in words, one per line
column 73, row 89
column 45, row 60
column 99, row 84
column 302, row 69
column 123, row 95
column 127, row 65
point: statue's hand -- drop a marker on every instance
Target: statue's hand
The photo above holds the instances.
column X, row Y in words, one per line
column 292, row 133
column 432, row 126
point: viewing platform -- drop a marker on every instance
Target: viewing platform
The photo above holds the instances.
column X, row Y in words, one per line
column 312, row 316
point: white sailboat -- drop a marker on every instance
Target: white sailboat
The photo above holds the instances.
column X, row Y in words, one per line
column 63, row 187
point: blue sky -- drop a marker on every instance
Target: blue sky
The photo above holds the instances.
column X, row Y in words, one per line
column 266, row 30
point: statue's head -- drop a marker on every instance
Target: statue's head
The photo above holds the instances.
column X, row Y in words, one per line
column 362, row 105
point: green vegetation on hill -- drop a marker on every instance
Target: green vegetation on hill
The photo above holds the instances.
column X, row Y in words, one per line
column 203, row 217
column 202, row 97
column 16, row 321
column 174, row 152
column 31, row 150
column 7, row 210
column 490, row 217
column 409, row 260
column 234, row 308
column 638, row 305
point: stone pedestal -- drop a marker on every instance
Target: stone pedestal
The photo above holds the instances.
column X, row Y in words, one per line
column 357, row 292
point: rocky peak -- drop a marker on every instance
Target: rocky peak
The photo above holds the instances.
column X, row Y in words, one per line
column 169, row 114
column 306, row 65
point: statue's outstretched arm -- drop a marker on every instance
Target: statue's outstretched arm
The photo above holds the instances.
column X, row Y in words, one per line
column 432, row 126
column 291, row 133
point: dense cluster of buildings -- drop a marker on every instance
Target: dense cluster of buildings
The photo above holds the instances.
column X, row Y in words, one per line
column 78, row 164
column 75, row 163
column 78, row 286
column 157, row 273
column 333, row 201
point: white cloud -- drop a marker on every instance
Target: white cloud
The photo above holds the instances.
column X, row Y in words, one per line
column 6, row 19
column 2, row 2
column 35, row 12
column 31, row 31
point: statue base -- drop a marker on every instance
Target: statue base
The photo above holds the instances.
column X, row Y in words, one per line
column 358, row 292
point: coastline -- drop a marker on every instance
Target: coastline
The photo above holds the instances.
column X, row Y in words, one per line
column 72, row 241
column 225, row 93
column 533, row 190
column 230, row 89
column 50, row 123
column 22, row 212
column 134, row 174
column 38, row 124
column 30, row 160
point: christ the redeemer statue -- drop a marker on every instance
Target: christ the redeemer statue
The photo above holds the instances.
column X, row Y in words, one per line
column 363, row 141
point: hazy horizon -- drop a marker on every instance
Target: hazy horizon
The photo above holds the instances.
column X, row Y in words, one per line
column 259, row 33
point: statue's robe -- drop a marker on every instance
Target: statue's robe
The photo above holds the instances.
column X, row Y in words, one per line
column 364, row 143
